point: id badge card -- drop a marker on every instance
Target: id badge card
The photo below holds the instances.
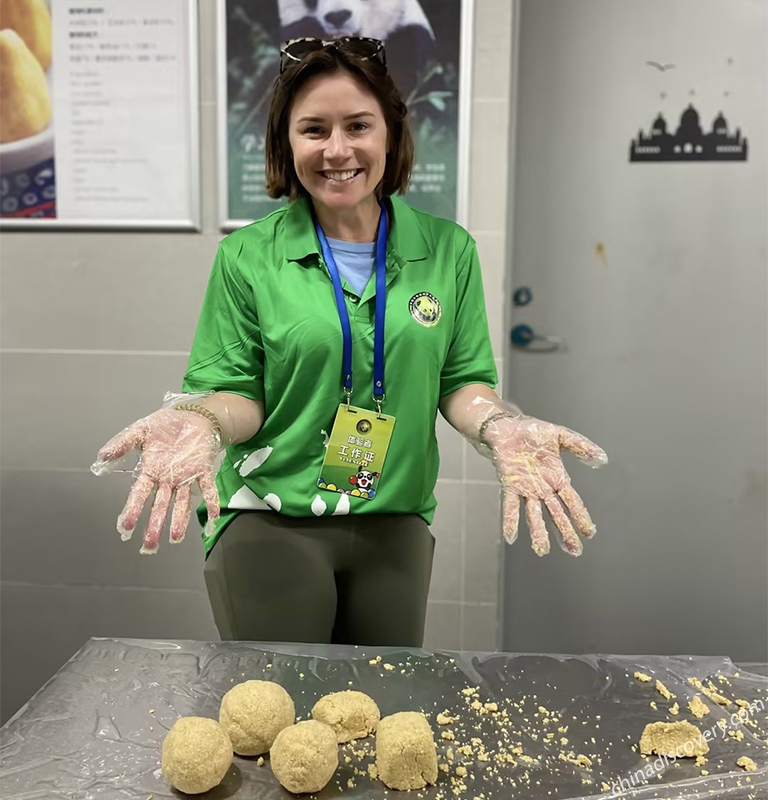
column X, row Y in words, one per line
column 355, row 455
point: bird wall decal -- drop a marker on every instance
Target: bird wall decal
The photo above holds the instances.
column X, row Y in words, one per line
column 660, row 67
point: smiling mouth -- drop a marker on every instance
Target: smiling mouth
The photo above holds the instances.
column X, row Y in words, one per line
column 341, row 176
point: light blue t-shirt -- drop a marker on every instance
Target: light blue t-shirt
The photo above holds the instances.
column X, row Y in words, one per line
column 355, row 261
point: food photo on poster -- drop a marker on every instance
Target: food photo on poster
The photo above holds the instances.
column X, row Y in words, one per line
column 27, row 173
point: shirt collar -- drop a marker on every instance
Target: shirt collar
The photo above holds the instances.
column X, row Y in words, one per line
column 406, row 238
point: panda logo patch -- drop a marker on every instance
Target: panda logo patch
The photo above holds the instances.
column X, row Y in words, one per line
column 425, row 308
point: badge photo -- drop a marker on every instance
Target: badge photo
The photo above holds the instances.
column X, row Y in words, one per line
column 356, row 451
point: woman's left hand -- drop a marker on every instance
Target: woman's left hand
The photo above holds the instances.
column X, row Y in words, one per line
column 526, row 453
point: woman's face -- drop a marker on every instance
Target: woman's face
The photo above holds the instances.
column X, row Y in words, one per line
column 338, row 136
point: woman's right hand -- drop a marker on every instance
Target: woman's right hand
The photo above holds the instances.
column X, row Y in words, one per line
column 177, row 448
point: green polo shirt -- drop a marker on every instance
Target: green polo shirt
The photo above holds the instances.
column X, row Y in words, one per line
column 269, row 330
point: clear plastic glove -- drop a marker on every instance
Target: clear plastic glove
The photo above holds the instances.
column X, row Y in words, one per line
column 178, row 448
column 526, row 453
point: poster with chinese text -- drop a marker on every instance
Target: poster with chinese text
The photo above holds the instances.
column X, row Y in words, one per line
column 100, row 117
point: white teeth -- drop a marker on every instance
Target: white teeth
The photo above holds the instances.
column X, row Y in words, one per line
column 341, row 176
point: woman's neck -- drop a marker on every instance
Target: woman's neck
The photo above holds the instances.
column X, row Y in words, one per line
column 357, row 224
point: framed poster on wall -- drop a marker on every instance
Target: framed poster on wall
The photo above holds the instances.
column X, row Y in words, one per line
column 100, row 119
column 429, row 54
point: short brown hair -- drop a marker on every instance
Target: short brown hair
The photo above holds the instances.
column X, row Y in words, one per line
column 281, row 178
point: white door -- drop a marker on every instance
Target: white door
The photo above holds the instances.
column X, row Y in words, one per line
column 654, row 275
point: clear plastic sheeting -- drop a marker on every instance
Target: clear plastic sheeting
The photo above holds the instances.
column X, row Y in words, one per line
column 96, row 729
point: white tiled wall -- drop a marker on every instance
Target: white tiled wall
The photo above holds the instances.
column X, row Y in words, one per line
column 97, row 326
column 467, row 522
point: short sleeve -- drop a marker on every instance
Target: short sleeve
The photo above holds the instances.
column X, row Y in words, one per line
column 470, row 355
column 227, row 352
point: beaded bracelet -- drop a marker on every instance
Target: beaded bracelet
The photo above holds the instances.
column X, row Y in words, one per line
column 203, row 412
column 489, row 420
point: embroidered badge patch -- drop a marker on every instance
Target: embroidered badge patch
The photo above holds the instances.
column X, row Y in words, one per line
column 425, row 308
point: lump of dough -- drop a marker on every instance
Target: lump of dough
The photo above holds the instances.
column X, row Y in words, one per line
column 663, row 691
column 406, row 756
column 196, row 754
column 698, row 708
column 253, row 713
column 664, row 738
column 352, row 715
column 305, row 756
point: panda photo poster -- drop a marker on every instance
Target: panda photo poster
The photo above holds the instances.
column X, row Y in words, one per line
column 423, row 42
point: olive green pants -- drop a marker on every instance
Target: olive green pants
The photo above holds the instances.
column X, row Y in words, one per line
column 344, row 580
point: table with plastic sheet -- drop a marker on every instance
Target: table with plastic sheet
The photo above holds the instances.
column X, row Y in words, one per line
column 525, row 725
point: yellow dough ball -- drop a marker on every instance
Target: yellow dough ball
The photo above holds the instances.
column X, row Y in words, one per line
column 24, row 98
column 196, row 755
column 352, row 715
column 666, row 737
column 32, row 21
column 406, row 756
column 253, row 713
column 305, row 756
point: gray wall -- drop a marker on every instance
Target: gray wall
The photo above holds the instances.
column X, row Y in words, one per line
column 667, row 359
column 97, row 326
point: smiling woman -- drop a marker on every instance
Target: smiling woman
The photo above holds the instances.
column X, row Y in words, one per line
column 337, row 132
column 339, row 158
column 324, row 537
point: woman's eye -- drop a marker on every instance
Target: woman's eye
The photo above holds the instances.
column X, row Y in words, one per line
column 356, row 126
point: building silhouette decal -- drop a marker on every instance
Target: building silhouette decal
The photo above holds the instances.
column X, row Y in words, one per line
column 689, row 142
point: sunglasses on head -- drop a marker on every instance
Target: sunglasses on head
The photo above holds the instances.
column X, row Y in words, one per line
column 357, row 46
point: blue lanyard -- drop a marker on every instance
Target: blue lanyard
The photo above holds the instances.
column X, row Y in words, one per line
column 381, row 302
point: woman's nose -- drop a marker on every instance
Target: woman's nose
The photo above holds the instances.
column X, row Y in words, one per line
column 337, row 143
